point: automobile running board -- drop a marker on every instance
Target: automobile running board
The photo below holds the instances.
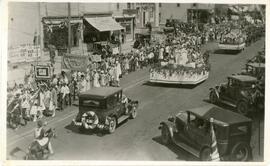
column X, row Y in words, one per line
column 228, row 103
column 122, row 118
column 187, row 148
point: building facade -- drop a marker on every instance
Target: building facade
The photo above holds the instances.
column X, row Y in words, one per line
column 25, row 17
column 185, row 12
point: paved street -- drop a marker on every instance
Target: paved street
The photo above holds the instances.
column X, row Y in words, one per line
column 138, row 139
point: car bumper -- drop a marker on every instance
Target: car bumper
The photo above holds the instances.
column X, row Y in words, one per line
column 87, row 126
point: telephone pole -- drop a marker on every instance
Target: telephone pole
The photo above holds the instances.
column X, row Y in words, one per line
column 69, row 29
column 40, row 32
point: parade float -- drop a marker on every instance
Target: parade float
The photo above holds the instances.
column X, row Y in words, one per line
column 181, row 70
column 234, row 40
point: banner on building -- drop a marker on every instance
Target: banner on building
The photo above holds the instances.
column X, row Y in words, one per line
column 75, row 62
column 95, row 58
column 23, row 53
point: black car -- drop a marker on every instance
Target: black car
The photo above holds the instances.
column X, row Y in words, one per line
column 240, row 91
column 190, row 130
column 104, row 108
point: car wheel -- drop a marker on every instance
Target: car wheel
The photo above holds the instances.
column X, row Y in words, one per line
column 213, row 97
column 112, row 125
column 242, row 108
column 205, row 154
column 133, row 113
column 165, row 135
column 241, row 152
column 26, row 157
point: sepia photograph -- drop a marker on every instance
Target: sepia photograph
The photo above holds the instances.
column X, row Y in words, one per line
column 135, row 81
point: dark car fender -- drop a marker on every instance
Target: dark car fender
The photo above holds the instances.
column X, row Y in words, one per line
column 246, row 96
column 215, row 89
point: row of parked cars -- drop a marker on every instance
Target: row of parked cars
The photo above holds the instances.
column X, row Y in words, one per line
column 190, row 129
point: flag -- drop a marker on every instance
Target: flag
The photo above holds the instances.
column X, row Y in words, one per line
column 214, row 148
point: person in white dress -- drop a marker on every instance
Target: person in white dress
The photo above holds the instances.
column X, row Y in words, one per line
column 41, row 104
column 161, row 51
column 102, row 79
column 118, row 68
column 96, row 79
column 88, row 80
column 82, row 86
column 47, row 98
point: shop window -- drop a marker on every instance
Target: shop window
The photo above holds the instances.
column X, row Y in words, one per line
column 151, row 14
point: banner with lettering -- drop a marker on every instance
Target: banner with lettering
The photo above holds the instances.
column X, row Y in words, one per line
column 115, row 50
column 75, row 62
column 23, row 53
column 95, row 58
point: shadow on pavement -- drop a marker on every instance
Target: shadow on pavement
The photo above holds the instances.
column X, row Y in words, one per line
column 230, row 52
column 178, row 86
column 78, row 130
column 181, row 154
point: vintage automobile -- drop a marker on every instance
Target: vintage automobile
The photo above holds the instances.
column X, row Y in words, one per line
column 241, row 92
column 255, row 69
column 259, row 58
column 104, row 108
column 190, row 130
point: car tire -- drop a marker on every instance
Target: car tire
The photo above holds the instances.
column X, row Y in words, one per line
column 242, row 107
column 241, row 152
column 112, row 125
column 165, row 135
column 213, row 97
column 205, row 154
column 133, row 114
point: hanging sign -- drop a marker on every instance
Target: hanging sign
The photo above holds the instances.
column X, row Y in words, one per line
column 75, row 62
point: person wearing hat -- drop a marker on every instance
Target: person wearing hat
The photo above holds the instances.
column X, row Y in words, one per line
column 47, row 99
column 39, row 131
column 53, row 101
column 40, row 135
column 82, row 85
column 64, row 95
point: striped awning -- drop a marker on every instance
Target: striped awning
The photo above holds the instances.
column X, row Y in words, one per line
column 103, row 24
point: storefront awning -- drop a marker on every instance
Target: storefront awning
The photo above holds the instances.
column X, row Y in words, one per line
column 104, row 24
column 59, row 21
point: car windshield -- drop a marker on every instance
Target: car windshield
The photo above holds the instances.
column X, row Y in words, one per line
column 94, row 103
column 248, row 84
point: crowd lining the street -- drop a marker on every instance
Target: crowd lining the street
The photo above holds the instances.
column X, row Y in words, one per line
column 33, row 99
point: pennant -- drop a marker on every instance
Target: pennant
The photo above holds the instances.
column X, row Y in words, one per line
column 214, row 148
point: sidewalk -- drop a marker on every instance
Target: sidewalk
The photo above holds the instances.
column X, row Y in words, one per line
column 128, row 81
